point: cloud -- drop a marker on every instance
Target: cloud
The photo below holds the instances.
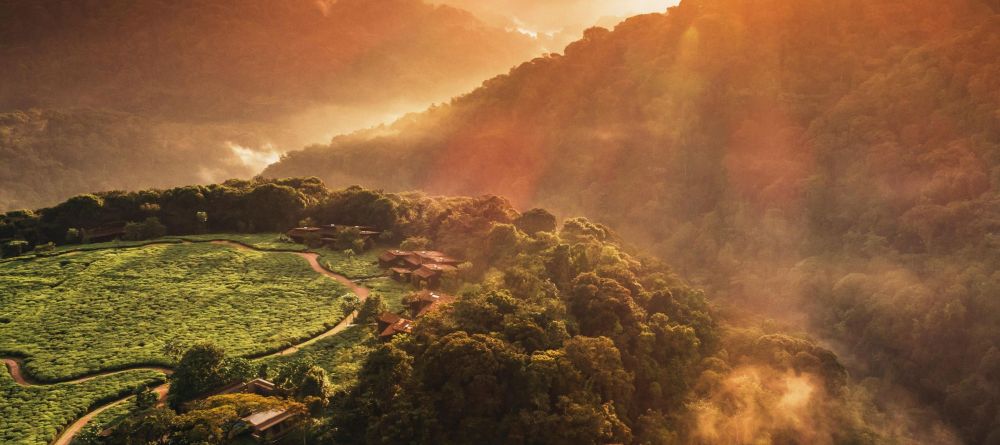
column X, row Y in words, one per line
column 255, row 159
column 559, row 15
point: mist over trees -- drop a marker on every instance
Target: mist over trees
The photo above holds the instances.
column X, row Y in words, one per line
column 98, row 95
column 832, row 162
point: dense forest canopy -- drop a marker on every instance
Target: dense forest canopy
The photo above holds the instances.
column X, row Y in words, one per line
column 94, row 93
column 835, row 163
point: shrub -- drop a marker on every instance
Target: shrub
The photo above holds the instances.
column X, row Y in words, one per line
column 151, row 228
column 415, row 243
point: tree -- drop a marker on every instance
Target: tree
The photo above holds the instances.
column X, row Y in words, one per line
column 536, row 220
column 315, row 383
column 149, row 229
column 73, row 236
column 303, row 379
column 147, row 427
column 78, row 211
column 502, row 242
column 415, row 243
column 15, row 248
column 349, row 238
column 239, row 369
column 350, row 303
column 201, row 369
column 274, row 207
column 146, row 399
column 216, row 420
column 202, row 218
column 372, row 307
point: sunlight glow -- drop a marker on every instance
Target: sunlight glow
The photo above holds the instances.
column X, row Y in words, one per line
column 255, row 159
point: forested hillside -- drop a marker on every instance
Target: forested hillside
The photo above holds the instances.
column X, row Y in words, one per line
column 559, row 334
column 169, row 79
column 830, row 162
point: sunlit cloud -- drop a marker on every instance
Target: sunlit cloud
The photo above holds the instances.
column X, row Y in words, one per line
column 255, row 159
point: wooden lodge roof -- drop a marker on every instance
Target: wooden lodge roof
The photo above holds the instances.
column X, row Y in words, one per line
column 428, row 301
column 418, row 258
column 256, row 386
column 390, row 255
column 388, row 317
column 427, row 296
column 263, row 421
column 333, row 229
column 401, row 325
column 430, row 270
column 433, row 256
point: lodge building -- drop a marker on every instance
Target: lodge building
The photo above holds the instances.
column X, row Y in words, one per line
column 423, row 268
column 418, row 305
column 326, row 235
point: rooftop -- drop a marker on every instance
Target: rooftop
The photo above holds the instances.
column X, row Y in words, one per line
column 439, row 267
column 401, row 326
column 434, row 297
column 389, row 318
column 267, row 419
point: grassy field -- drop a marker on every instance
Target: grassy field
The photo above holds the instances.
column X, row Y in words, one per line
column 351, row 265
column 341, row 355
column 262, row 241
column 77, row 314
column 96, row 307
column 35, row 415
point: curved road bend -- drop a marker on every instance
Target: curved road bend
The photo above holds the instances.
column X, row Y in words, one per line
column 67, row 435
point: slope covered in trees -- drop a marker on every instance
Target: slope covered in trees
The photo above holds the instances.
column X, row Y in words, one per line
column 831, row 161
column 101, row 91
column 559, row 334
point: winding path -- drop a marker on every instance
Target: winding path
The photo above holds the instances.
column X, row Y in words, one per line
column 15, row 365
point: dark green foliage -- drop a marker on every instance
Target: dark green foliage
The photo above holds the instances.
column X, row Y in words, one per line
column 15, row 248
column 236, row 206
column 415, row 243
column 349, row 238
column 536, row 220
column 371, row 309
column 273, row 207
column 145, row 399
column 73, row 236
column 149, row 229
column 358, row 206
column 202, row 369
column 523, row 361
column 149, row 426
column 302, row 379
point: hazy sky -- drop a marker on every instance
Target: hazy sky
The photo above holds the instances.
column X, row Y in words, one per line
column 549, row 16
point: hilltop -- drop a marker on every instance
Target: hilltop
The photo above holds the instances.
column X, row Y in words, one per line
column 834, row 164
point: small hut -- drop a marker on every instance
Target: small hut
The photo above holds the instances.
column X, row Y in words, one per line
column 427, row 301
column 268, row 426
column 429, row 276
